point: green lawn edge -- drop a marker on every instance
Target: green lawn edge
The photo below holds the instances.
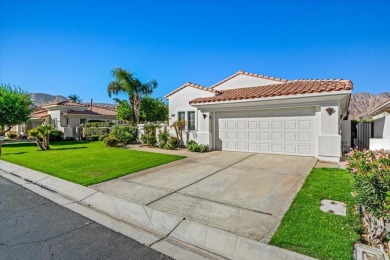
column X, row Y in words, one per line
column 307, row 230
column 84, row 163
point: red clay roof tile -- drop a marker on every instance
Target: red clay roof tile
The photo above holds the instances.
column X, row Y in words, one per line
column 293, row 87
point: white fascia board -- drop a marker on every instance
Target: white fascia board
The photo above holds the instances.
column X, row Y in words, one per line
column 293, row 100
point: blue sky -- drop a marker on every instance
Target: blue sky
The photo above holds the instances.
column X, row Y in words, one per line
column 66, row 47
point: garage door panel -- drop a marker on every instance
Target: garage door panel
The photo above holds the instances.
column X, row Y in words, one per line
column 242, row 146
column 290, row 136
column 304, row 124
column 304, row 150
column 277, row 136
column 264, row 124
column 241, row 125
column 276, row 148
column 252, row 136
column 252, row 124
column 253, row 147
column 284, row 131
column 290, row 148
column 276, row 124
column 264, row 148
column 231, row 135
column 231, row 125
column 290, row 124
column 242, row 136
column 264, row 136
column 305, row 137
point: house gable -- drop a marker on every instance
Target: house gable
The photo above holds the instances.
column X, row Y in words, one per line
column 243, row 79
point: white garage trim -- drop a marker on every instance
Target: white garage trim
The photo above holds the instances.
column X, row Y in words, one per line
column 280, row 131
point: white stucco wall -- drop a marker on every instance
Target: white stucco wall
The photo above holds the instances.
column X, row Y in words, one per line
column 329, row 138
column 381, row 138
column 244, row 81
column 179, row 101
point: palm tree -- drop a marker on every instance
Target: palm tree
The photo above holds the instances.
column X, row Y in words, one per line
column 44, row 132
column 75, row 98
column 126, row 83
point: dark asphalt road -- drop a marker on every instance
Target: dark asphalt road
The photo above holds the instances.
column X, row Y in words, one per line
column 32, row 227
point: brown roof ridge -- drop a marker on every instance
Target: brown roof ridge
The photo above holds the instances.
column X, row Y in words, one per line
column 241, row 72
column 194, row 85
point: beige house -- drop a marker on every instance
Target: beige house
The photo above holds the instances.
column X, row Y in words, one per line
column 67, row 116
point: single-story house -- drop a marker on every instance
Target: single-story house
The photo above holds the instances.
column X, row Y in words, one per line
column 254, row 113
column 67, row 116
column 381, row 126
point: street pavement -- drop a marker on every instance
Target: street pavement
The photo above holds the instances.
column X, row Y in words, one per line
column 32, row 227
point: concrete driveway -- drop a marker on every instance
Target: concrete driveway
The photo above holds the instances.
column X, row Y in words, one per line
column 244, row 193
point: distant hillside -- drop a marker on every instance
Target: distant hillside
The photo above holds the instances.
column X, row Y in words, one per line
column 41, row 98
column 362, row 103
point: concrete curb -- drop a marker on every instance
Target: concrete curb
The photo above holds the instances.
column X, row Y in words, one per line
column 168, row 233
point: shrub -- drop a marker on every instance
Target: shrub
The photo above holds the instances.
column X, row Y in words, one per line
column 56, row 135
column 12, row 134
column 33, row 132
column 111, row 141
column 93, row 133
column 173, row 141
column 149, row 140
column 125, row 134
column 69, row 138
column 371, row 171
column 195, row 147
column 101, row 137
column 98, row 124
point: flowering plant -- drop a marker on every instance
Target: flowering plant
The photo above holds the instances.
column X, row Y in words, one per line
column 371, row 171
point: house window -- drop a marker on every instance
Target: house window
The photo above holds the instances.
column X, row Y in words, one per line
column 181, row 116
column 82, row 121
column 191, row 120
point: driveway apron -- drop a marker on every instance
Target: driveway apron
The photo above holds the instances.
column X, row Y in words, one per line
column 243, row 193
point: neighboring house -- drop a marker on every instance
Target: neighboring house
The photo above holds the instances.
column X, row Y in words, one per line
column 381, row 125
column 254, row 113
column 67, row 116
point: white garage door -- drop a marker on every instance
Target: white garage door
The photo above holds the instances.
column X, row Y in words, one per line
column 282, row 131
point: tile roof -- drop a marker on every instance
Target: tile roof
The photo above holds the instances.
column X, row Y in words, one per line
column 96, row 111
column 241, row 72
column 39, row 114
column 293, row 87
column 189, row 84
column 64, row 103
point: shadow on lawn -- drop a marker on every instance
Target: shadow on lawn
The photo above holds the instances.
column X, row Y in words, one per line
column 14, row 153
column 71, row 148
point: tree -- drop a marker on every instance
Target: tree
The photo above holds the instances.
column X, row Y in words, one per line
column 75, row 98
column 153, row 109
column 124, row 111
column 15, row 108
column 126, row 83
column 179, row 126
column 42, row 135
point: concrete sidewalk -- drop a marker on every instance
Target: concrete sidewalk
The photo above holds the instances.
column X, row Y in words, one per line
column 168, row 233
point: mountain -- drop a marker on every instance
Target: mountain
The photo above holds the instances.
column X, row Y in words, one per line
column 362, row 103
column 41, row 98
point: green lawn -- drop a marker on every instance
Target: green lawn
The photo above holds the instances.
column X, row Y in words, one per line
column 85, row 163
column 307, row 230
